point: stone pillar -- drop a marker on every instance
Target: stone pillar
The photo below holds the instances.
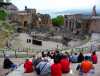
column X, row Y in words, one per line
column 68, row 27
column 74, row 24
column 65, row 24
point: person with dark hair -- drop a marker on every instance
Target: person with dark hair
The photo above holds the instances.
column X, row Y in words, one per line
column 28, row 66
column 56, row 69
column 86, row 65
column 43, row 54
column 74, row 58
column 80, row 58
column 48, row 54
column 58, row 55
column 37, row 61
column 8, row 64
column 67, row 54
column 65, row 64
column 94, row 57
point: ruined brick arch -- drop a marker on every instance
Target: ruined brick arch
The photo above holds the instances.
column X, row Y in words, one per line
column 25, row 23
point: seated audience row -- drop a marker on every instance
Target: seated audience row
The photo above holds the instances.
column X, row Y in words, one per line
column 55, row 63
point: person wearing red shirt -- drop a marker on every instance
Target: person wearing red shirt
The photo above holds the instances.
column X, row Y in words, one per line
column 94, row 57
column 65, row 64
column 28, row 66
column 56, row 69
column 86, row 65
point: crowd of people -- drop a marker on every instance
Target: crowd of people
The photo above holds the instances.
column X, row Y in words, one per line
column 55, row 63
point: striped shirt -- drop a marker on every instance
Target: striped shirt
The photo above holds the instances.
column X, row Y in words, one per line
column 45, row 66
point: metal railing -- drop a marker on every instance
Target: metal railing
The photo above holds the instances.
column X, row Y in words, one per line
column 28, row 52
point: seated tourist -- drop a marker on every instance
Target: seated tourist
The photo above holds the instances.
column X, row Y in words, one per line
column 94, row 57
column 58, row 55
column 56, row 69
column 65, row 64
column 74, row 58
column 28, row 66
column 37, row 61
column 86, row 65
column 43, row 68
column 49, row 59
column 68, row 56
column 8, row 64
column 80, row 58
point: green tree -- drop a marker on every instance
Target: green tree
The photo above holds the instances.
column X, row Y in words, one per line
column 59, row 20
column 3, row 14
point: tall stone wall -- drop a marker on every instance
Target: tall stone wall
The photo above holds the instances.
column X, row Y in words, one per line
column 95, row 26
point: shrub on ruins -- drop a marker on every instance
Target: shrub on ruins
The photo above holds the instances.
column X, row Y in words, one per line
column 59, row 20
column 3, row 14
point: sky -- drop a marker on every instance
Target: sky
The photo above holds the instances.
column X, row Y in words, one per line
column 56, row 5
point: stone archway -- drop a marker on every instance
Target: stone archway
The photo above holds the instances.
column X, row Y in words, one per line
column 25, row 23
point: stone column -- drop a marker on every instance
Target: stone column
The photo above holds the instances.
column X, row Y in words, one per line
column 74, row 24
column 65, row 24
column 68, row 25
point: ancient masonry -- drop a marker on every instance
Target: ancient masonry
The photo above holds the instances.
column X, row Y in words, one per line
column 80, row 22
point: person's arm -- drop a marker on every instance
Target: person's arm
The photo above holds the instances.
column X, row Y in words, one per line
column 38, row 65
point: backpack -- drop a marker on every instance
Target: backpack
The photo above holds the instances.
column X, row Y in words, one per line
column 38, row 70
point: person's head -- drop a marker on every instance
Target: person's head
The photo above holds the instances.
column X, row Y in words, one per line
column 44, row 54
column 81, row 54
column 75, row 53
column 86, row 58
column 93, row 53
column 57, row 52
column 27, row 60
column 66, row 53
column 33, row 56
column 48, row 53
column 56, row 60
